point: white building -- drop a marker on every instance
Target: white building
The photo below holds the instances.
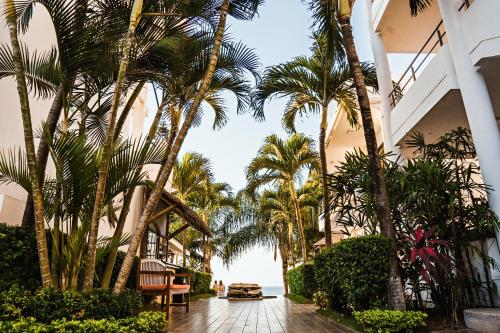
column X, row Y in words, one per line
column 452, row 79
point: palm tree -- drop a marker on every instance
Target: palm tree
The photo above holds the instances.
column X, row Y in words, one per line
column 245, row 9
column 22, row 88
column 179, row 87
column 277, row 216
column 328, row 16
column 311, row 84
column 190, row 174
column 282, row 162
column 212, row 202
column 108, row 145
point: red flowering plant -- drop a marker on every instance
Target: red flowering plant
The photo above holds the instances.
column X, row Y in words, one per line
column 427, row 254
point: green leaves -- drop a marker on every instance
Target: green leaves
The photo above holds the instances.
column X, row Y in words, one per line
column 41, row 70
column 302, row 281
column 281, row 161
column 390, row 321
column 354, row 271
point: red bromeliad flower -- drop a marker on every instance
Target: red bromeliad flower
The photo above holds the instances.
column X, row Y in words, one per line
column 421, row 250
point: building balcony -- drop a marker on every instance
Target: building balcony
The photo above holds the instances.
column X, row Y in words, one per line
column 427, row 96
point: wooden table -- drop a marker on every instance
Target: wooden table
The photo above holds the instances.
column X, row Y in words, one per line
column 268, row 315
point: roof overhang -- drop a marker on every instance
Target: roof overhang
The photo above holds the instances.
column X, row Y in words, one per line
column 182, row 210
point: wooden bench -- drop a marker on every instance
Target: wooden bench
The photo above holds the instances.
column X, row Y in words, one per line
column 157, row 279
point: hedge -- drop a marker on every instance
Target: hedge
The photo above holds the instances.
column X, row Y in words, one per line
column 144, row 322
column 200, row 282
column 390, row 321
column 20, row 266
column 301, row 280
column 354, row 272
column 48, row 305
column 19, row 260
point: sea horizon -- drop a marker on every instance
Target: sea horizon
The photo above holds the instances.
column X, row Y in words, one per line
column 273, row 290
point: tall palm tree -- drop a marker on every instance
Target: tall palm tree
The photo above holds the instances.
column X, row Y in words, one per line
column 212, row 202
column 328, row 16
column 277, row 216
column 311, row 84
column 22, row 88
column 282, row 162
column 189, row 175
column 108, row 145
column 243, row 9
column 179, row 87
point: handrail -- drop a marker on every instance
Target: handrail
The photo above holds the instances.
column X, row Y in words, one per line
column 398, row 89
column 397, row 93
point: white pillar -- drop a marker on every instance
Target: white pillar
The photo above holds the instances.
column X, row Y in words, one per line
column 477, row 102
column 384, row 81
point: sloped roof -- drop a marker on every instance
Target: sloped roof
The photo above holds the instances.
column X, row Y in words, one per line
column 183, row 211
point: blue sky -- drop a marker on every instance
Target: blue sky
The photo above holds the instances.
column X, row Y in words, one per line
column 280, row 33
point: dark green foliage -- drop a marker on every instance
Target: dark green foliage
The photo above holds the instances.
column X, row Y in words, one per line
column 200, row 282
column 47, row 305
column 19, row 259
column 120, row 256
column 354, row 272
column 144, row 322
column 390, row 321
column 301, row 280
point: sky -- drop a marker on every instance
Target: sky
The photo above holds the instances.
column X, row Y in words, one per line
column 279, row 33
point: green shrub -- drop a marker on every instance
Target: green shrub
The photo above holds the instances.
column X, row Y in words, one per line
column 19, row 260
column 144, row 322
column 120, row 256
column 390, row 321
column 301, row 280
column 321, row 300
column 354, row 272
column 47, row 305
column 200, row 282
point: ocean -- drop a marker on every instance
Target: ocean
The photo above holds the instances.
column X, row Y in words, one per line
column 273, row 290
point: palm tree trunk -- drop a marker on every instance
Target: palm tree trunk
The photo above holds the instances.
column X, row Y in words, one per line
column 107, row 149
column 127, row 200
column 126, row 109
column 300, row 226
column 43, row 253
column 42, row 154
column 165, row 172
column 396, row 294
column 324, row 172
column 284, row 266
column 208, row 264
column 184, row 245
column 291, row 243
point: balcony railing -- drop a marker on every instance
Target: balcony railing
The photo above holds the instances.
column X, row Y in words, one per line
column 432, row 45
column 465, row 5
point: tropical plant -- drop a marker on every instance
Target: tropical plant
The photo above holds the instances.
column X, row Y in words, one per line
column 68, row 198
column 213, row 202
column 311, row 84
column 32, row 166
column 244, row 9
column 189, row 175
column 437, row 190
column 179, row 87
column 329, row 17
column 281, row 163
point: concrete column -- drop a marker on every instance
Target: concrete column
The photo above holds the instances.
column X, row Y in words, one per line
column 477, row 102
column 384, row 80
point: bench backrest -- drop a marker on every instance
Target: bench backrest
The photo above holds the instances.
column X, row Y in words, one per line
column 153, row 265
